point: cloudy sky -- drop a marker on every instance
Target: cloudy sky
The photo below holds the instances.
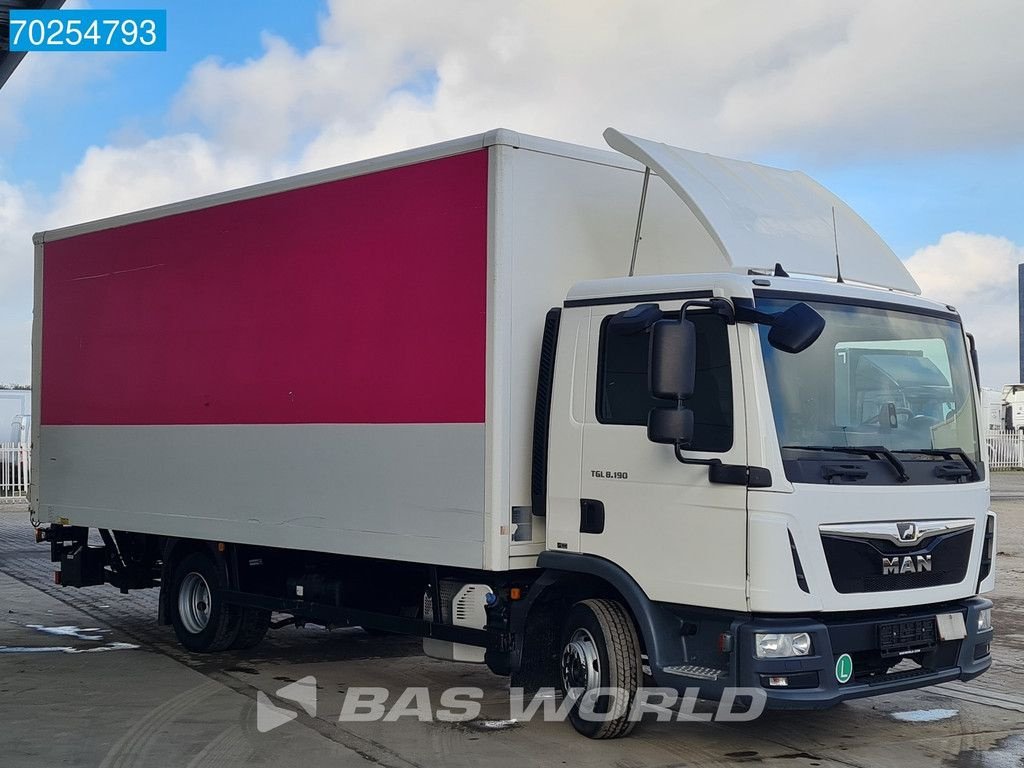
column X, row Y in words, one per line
column 910, row 111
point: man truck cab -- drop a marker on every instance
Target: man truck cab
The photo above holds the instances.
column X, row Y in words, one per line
column 820, row 530
column 784, row 503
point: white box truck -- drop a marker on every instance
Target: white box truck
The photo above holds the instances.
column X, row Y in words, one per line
column 15, row 415
column 584, row 415
column 15, row 437
column 993, row 410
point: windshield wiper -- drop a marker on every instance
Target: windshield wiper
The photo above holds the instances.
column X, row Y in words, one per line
column 949, row 453
column 872, row 451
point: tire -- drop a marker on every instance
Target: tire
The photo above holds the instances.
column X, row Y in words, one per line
column 201, row 621
column 252, row 628
column 600, row 648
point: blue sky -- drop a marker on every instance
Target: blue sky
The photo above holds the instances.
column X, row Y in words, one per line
column 133, row 98
column 913, row 201
column 914, row 118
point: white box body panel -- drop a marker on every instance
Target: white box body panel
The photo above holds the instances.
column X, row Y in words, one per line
column 431, row 492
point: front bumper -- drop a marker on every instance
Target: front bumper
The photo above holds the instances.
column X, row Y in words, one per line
column 812, row 681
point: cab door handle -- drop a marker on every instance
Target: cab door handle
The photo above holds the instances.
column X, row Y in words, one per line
column 591, row 516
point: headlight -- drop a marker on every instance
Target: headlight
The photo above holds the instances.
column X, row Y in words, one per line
column 776, row 646
column 984, row 619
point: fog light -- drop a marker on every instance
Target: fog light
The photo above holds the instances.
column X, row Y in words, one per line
column 781, row 645
column 778, row 682
column 984, row 619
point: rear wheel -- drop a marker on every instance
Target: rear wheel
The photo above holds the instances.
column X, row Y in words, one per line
column 202, row 621
column 601, row 660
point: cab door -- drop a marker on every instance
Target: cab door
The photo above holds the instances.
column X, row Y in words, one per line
column 680, row 536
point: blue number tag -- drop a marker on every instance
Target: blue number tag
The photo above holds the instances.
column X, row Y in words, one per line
column 83, row 30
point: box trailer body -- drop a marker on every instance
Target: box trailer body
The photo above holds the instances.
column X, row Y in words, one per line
column 364, row 344
column 433, row 365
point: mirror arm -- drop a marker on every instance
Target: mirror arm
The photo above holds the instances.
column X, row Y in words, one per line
column 721, row 307
column 683, row 460
column 974, row 361
column 730, row 474
column 747, row 314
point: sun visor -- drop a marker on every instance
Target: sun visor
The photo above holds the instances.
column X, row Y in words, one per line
column 759, row 216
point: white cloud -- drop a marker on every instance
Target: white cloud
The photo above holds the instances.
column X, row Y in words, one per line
column 907, row 77
column 978, row 275
column 13, row 222
column 15, row 284
column 733, row 77
column 113, row 180
column 825, row 79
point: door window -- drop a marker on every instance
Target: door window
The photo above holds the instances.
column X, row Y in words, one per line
column 623, row 395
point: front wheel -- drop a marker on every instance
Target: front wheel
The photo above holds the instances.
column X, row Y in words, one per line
column 202, row 621
column 601, row 662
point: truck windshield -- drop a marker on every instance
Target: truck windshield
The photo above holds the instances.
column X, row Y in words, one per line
column 875, row 377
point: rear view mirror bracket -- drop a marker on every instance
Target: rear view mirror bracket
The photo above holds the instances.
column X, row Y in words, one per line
column 718, row 306
column 792, row 330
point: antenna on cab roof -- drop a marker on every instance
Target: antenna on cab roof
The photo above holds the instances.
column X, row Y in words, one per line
column 639, row 220
column 835, row 236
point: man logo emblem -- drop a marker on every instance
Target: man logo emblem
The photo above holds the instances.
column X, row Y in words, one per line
column 907, row 531
column 897, row 566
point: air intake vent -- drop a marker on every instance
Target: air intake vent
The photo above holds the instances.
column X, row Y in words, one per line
column 801, row 578
column 462, row 605
column 468, row 606
column 986, row 549
column 522, row 524
column 542, row 412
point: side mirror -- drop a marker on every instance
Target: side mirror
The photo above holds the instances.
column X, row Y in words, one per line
column 673, row 357
column 670, row 425
column 673, row 369
column 795, row 329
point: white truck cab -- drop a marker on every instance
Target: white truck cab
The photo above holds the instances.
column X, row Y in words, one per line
column 842, row 482
column 822, row 513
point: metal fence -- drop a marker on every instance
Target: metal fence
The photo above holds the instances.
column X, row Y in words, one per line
column 14, row 472
column 1005, row 450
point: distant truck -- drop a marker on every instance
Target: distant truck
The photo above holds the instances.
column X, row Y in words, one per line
column 586, row 416
column 15, row 415
column 1013, row 407
column 15, row 437
column 993, row 410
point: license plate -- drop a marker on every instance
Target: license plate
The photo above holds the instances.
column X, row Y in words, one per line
column 902, row 638
column 951, row 626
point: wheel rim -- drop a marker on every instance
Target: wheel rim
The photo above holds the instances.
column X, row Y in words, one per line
column 194, row 603
column 581, row 663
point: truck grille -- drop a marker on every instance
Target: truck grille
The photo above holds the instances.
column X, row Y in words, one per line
column 857, row 564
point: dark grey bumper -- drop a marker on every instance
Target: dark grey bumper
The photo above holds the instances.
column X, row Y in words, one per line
column 812, row 682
